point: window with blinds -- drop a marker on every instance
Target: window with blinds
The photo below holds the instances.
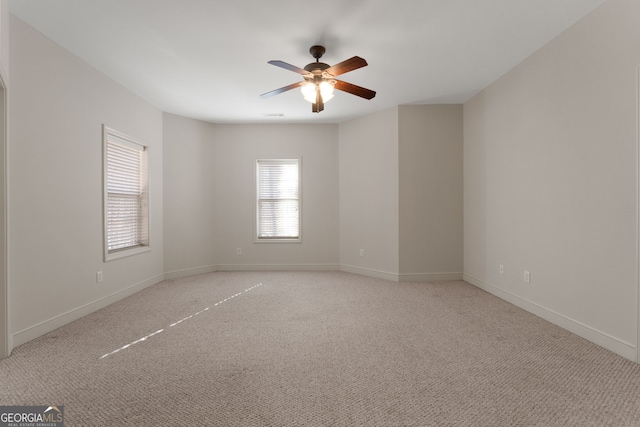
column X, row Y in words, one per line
column 278, row 200
column 126, row 210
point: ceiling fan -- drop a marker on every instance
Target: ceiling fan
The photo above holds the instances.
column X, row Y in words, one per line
column 319, row 82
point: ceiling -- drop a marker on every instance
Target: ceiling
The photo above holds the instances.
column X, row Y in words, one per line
column 207, row 59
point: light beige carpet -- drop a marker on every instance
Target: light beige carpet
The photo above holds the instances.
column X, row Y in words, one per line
column 319, row 349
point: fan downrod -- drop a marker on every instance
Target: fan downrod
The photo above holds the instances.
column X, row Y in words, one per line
column 316, row 51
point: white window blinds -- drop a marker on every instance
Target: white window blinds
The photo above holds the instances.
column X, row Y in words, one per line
column 278, row 190
column 126, row 199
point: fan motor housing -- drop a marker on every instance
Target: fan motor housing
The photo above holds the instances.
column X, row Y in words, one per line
column 316, row 66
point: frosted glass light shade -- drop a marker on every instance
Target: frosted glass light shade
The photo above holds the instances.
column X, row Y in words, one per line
column 309, row 91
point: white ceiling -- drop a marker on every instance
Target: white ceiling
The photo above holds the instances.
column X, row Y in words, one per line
column 207, row 59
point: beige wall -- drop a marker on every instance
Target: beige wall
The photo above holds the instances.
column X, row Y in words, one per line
column 209, row 196
column 550, row 180
column 4, row 39
column 189, row 195
column 217, row 161
column 430, row 192
column 237, row 148
column 369, row 195
column 58, row 105
column 401, row 193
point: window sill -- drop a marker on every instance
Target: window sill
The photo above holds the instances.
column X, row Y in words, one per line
column 298, row 240
column 123, row 253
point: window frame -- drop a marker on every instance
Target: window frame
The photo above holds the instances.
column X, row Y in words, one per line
column 114, row 136
column 257, row 238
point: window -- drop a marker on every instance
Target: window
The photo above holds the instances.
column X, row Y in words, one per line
column 278, row 200
column 126, row 196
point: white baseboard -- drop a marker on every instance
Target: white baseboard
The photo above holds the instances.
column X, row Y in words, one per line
column 55, row 322
column 176, row 274
column 404, row 277
column 600, row 338
column 407, row 277
column 430, row 277
column 277, row 267
column 393, row 277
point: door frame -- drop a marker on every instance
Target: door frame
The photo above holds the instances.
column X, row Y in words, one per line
column 5, row 336
column 638, row 213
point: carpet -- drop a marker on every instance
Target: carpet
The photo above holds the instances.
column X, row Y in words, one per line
column 319, row 349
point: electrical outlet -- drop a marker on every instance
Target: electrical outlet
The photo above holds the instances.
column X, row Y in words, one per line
column 238, row 251
column 99, row 277
column 361, row 252
column 527, row 277
column 501, row 269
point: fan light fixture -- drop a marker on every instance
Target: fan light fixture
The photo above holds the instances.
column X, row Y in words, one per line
column 309, row 91
column 319, row 79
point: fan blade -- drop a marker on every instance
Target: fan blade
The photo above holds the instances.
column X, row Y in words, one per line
column 289, row 67
column 282, row 89
column 346, row 66
column 355, row 90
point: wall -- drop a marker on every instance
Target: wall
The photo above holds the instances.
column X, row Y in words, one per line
column 369, row 195
column 401, row 193
column 58, row 105
column 189, row 196
column 237, row 148
column 4, row 39
column 550, row 180
column 430, row 192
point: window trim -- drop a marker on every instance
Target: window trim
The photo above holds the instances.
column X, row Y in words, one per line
column 133, row 250
column 256, row 238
